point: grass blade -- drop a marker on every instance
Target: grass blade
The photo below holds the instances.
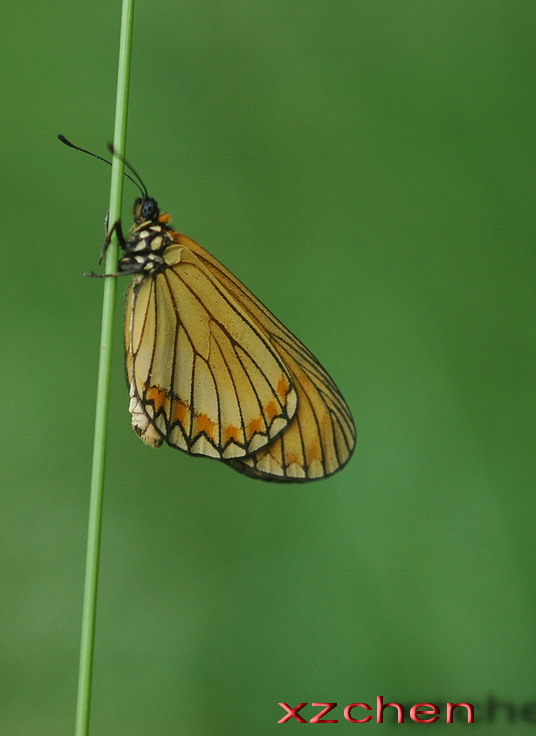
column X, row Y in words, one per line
column 103, row 386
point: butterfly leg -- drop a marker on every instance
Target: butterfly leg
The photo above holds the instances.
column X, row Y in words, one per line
column 126, row 270
column 116, row 227
column 93, row 275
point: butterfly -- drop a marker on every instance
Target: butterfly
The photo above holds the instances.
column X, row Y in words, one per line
column 211, row 371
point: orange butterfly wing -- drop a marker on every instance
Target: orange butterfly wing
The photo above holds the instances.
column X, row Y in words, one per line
column 320, row 438
column 202, row 375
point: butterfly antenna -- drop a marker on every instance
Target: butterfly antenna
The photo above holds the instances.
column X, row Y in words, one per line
column 123, row 159
column 67, row 142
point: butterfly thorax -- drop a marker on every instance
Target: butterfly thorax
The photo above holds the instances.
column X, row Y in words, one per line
column 144, row 248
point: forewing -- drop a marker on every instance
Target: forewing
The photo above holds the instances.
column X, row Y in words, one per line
column 202, row 374
column 321, row 436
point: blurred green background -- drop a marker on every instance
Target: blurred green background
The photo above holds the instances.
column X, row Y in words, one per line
column 368, row 169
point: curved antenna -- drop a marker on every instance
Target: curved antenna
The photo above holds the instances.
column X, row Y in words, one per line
column 123, row 159
column 67, row 142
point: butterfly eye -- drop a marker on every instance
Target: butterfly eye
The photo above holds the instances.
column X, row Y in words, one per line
column 149, row 209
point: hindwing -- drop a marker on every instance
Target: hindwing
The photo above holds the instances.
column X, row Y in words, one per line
column 202, row 375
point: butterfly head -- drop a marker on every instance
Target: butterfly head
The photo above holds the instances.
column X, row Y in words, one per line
column 145, row 210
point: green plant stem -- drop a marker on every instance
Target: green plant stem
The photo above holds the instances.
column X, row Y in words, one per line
column 103, row 385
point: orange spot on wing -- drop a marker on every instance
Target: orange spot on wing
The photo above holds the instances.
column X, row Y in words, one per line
column 256, row 425
column 271, row 410
column 180, row 412
column 159, row 397
column 204, row 424
column 283, row 387
column 325, row 425
column 232, row 433
column 293, row 457
column 313, row 453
